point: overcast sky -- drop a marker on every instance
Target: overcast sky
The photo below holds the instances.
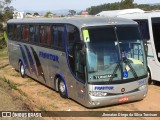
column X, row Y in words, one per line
column 38, row 5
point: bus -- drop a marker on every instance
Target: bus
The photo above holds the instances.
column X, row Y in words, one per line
column 149, row 23
column 96, row 61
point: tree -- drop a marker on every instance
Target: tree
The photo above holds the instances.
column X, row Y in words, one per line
column 28, row 13
column 8, row 13
column 124, row 4
column 4, row 3
column 36, row 14
column 72, row 12
column 48, row 14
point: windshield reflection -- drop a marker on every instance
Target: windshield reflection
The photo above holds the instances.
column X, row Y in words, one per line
column 109, row 59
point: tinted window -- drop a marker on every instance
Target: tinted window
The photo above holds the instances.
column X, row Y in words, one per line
column 45, row 35
column 57, row 36
column 128, row 33
column 10, row 31
column 143, row 24
column 14, row 32
column 54, row 36
column 25, row 33
column 18, row 32
column 31, row 33
column 60, row 31
column 73, row 36
column 73, row 47
column 36, row 39
column 34, row 33
column 156, row 35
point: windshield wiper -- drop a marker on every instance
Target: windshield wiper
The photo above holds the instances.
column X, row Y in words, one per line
column 115, row 70
column 130, row 66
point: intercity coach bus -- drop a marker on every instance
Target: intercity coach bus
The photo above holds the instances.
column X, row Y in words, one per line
column 96, row 61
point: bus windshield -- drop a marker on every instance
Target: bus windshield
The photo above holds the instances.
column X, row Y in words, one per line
column 114, row 53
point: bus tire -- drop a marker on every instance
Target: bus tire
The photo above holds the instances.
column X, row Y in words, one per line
column 21, row 69
column 62, row 88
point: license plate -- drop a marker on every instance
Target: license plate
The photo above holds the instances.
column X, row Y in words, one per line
column 123, row 99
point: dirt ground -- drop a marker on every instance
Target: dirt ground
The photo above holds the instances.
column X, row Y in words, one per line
column 28, row 95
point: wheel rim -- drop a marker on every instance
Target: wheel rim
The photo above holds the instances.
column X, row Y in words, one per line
column 22, row 69
column 62, row 87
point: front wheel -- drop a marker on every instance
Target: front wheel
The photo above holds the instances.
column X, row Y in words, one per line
column 22, row 69
column 62, row 88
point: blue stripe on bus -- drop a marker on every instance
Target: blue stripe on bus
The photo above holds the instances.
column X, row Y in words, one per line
column 38, row 64
column 30, row 60
column 25, row 62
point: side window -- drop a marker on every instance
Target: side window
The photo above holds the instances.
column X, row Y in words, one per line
column 16, row 32
column 74, row 56
column 45, row 35
column 54, row 36
column 10, row 31
column 25, row 33
column 79, row 68
column 156, row 35
column 73, row 36
column 143, row 24
column 57, row 36
column 60, row 31
column 31, row 33
column 36, row 34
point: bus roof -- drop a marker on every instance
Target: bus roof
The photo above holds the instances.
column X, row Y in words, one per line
column 77, row 21
column 145, row 15
column 114, row 13
column 134, row 13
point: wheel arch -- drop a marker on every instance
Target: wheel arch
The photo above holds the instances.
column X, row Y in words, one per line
column 59, row 75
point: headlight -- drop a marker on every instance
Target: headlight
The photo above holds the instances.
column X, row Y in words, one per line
column 143, row 87
column 98, row 94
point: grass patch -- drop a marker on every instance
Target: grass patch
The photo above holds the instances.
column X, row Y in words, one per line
column 14, row 86
column 42, row 108
column 3, row 53
column 22, row 93
column 16, row 75
column 3, row 42
column 11, row 84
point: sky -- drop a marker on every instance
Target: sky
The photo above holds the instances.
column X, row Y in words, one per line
column 40, row 5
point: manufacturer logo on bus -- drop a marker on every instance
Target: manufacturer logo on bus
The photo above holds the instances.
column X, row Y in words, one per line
column 104, row 76
column 103, row 88
column 48, row 56
column 123, row 90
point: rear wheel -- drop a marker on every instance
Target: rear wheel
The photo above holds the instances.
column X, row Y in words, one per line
column 21, row 69
column 62, row 88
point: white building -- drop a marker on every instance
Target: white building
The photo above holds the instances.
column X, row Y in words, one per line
column 18, row 15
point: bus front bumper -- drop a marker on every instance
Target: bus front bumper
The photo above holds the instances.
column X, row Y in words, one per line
column 116, row 99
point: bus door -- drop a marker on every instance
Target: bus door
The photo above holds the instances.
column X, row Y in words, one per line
column 79, row 54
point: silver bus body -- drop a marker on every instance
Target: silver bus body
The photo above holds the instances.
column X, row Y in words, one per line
column 49, row 64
